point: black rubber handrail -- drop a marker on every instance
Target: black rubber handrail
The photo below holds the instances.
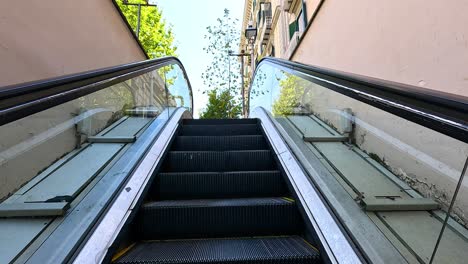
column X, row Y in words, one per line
column 439, row 111
column 21, row 100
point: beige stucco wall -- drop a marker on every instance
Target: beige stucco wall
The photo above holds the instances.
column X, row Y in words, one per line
column 41, row 39
column 417, row 42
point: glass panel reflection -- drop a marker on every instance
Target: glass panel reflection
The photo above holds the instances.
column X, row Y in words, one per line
column 32, row 144
column 403, row 175
column 176, row 83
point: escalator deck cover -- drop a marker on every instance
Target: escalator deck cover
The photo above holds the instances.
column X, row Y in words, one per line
column 241, row 250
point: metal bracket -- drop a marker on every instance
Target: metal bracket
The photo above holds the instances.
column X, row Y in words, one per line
column 33, row 209
column 399, row 204
column 104, row 139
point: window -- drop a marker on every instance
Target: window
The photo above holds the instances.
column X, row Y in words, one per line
column 297, row 25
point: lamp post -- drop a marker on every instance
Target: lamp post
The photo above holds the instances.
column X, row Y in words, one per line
column 125, row 2
column 242, row 55
column 250, row 34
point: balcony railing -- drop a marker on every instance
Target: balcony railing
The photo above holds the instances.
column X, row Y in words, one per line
column 265, row 35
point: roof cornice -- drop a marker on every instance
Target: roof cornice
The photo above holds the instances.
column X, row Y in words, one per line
column 245, row 22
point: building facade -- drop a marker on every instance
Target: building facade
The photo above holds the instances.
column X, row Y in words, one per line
column 279, row 24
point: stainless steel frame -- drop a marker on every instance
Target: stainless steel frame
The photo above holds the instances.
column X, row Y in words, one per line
column 335, row 242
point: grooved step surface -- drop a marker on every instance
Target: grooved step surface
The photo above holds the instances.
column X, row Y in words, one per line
column 220, row 143
column 220, row 121
column 218, row 217
column 220, row 197
column 220, row 130
column 196, row 161
column 243, row 250
column 202, row 185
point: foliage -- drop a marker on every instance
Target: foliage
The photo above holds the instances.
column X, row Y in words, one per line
column 221, row 104
column 292, row 88
column 223, row 37
column 155, row 35
column 222, row 75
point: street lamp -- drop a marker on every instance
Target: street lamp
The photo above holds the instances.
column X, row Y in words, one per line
column 242, row 55
column 251, row 34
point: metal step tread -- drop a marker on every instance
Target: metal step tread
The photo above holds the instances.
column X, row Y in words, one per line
column 202, row 185
column 215, row 161
column 219, row 173
column 219, row 121
column 220, row 202
column 289, row 249
column 220, row 130
column 220, row 143
column 218, row 218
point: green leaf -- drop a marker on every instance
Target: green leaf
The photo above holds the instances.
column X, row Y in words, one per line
column 155, row 35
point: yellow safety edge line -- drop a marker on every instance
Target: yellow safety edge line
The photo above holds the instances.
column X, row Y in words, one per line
column 122, row 252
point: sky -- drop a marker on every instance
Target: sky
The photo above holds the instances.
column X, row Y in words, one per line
column 189, row 19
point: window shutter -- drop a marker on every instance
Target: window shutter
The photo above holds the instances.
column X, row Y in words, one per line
column 292, row 29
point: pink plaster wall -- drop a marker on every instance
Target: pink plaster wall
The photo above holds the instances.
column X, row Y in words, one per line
column 417, row 42
column 41, row 39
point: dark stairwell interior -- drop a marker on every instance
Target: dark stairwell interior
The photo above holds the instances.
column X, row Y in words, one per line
column 219, row 197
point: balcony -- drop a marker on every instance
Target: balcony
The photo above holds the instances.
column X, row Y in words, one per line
column 257, row 7
column 265, row 23
column 266, row 29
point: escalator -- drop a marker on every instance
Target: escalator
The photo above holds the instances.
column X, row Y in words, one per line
column 219, row 197
column 118, row 171
column 109, row 166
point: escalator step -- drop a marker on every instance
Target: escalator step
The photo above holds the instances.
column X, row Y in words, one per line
column 285, row 250
column 220, row 121
column 220, row 130
column 217, row 218
column 205, row 185
column 194, row 161
column 220, row 143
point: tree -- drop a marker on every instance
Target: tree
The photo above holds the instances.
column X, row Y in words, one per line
column 155, row 35
column 289, row 99
column 221, row 104
column 222, row 76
